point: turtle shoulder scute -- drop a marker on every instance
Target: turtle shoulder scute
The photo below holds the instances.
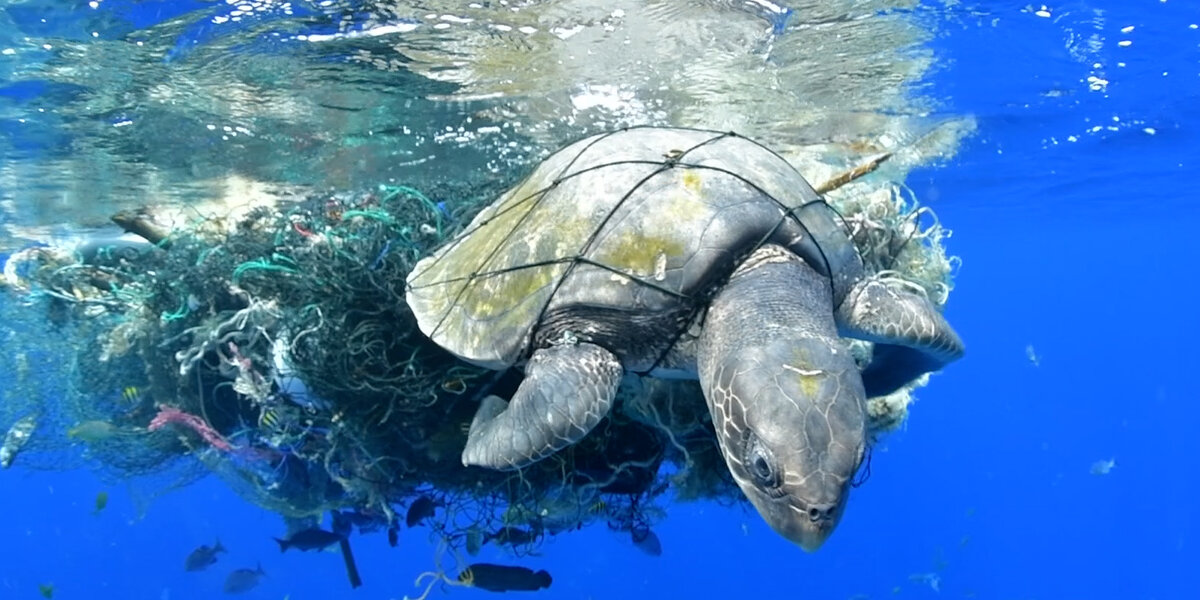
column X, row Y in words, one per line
column 757, row 166
column 465, row 318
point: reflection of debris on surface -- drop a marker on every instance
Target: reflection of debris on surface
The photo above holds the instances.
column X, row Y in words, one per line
column 933, row 580
column 278, row 352
column 1032, row 355
column 1103, row 467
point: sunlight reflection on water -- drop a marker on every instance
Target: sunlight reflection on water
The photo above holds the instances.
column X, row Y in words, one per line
column 118, row 112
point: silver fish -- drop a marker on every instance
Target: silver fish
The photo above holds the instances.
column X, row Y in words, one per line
column 16, row 438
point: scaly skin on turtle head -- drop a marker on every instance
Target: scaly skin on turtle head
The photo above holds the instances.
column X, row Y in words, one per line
column 795, row 447
column 786, row 397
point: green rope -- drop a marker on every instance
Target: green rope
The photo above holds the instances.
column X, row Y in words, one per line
column 377, row 215
column 204, row 254
column 178, row 314
column 430, row 205
column 259, row 265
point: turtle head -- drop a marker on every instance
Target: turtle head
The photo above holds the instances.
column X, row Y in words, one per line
column 785, row 395
column 793, row 430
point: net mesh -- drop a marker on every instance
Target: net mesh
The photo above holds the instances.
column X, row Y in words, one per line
column 276, row 350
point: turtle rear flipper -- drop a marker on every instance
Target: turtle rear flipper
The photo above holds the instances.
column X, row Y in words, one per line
column 568, row 389
column 910, row 335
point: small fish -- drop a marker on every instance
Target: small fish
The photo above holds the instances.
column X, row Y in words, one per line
column 422, row 508
column 645, row 540
column 93, row 431
column 503, row 578
column 1032, row 355
column 393, row 536
column 243, row 580
column 455, row 386
column 16, row 438
column 310, row 539
column 598, row 507
column 1103, row 467
column 203, row 557
column 101, row 502
column 131, row 394
column 268, row 418
column 46, row 590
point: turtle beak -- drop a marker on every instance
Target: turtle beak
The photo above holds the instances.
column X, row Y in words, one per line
column 807, row 525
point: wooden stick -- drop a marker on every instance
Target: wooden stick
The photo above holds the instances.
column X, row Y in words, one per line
column 140, row 223
column 852, row 174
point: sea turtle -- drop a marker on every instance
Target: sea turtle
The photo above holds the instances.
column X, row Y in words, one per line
column 679, row 253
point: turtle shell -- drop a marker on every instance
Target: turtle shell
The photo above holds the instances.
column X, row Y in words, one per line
column 642, row 222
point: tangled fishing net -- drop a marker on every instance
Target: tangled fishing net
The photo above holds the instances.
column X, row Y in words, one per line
column 276, row 350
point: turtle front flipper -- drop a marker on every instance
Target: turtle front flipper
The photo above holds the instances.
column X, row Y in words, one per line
column 910, row 335
column 566, row 392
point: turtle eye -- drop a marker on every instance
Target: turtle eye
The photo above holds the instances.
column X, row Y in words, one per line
column 762, row 466
column 762, row 470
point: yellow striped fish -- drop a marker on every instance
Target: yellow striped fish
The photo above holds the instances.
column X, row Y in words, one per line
column 131, row 394
column 268, row 418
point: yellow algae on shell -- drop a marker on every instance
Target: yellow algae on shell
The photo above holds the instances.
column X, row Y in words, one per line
column 605, row 209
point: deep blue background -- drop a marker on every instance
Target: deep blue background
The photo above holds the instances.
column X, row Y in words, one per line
column 1083, row 249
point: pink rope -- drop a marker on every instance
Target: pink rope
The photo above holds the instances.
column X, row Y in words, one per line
column 169, row 414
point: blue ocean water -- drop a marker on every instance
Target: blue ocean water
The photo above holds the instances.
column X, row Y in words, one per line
column 1073, row 210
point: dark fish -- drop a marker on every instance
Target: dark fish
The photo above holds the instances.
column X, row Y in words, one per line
column 503, row 578
column 46, row 590
column 512, row 536
column 243, row 580
column 203, row 557
column 393, row 536
column 422, row 508
column 646, row 541
column 101, row 502
column 310, row 539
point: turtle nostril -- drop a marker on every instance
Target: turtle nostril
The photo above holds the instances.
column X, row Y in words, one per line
column 821, row 512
